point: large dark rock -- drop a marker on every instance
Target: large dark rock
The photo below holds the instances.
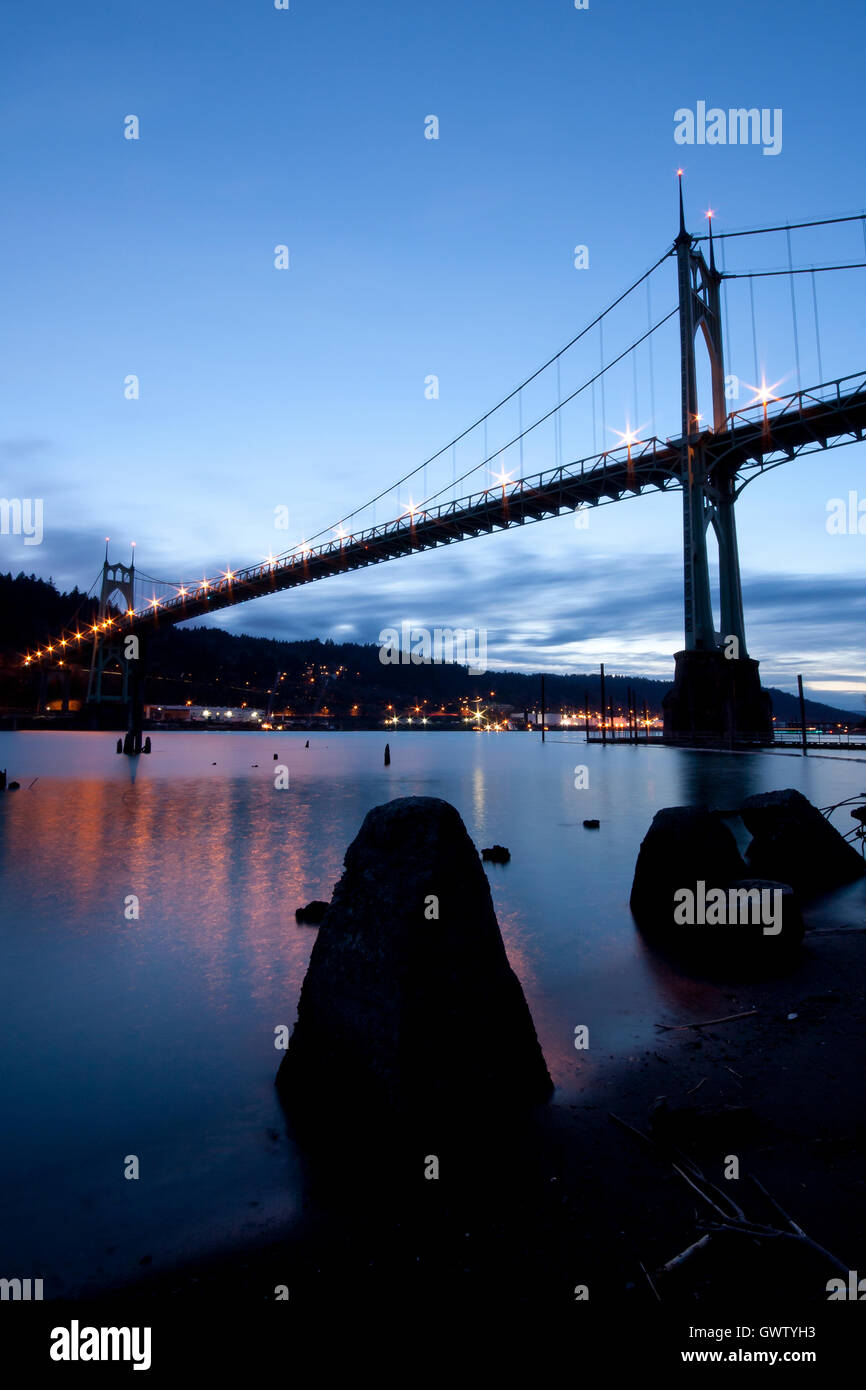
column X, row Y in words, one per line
column 793, row 842
column 409, row 1002
column 684, row 845
column 692, row 895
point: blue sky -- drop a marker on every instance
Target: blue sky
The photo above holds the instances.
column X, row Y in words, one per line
column 410, row 257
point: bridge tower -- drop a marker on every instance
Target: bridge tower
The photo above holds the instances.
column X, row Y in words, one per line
column 115, row 650
column 717, row 690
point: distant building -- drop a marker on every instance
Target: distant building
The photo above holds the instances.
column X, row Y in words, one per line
column 202, row 714
column 553, row 719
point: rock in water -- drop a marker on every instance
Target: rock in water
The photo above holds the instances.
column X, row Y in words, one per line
column 692, row 892
column 793, row 842
column 313, row 914
column 496, row 854
column 684, row 845
column 409, row 1003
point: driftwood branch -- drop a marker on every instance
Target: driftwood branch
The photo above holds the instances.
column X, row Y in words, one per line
column 708, row 1023
column 684, row 1255
column 649, row 1280
column 798, row 1230
column 738, row 1223
column 688, row 1171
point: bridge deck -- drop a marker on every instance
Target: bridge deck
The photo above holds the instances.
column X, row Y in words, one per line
column 756, row 440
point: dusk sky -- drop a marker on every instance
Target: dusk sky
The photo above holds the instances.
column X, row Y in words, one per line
column 411, row 258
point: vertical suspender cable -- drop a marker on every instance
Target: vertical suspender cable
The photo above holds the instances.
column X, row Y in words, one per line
column 601, row 379
column 558, row 416
column 754, row 332
column 635, row 421
column 729, row 356
column 794, row 310
column 817, row 328
column 649, row 316
column 520, row 426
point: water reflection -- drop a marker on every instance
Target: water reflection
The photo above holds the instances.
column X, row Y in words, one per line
column 155, row 1036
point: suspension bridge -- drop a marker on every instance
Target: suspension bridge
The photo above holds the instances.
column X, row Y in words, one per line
column 716, row 692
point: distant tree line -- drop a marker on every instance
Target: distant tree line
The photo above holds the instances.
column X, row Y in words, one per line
column 206, row 665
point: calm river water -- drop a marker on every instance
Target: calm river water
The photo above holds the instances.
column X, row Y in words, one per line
column 155, row 1036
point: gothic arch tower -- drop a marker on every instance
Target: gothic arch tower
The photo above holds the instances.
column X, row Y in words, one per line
column 108, row 651
column 717, row 691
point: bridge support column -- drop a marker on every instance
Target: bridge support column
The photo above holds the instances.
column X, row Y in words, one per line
column 120, row 656
column 135, row 706
column 730, row 590
column 42, row 691
column 716, row 695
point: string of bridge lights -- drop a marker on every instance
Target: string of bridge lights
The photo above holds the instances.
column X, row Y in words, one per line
column 629, row 438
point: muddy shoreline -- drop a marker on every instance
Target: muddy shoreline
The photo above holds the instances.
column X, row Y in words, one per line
column 522, row 1215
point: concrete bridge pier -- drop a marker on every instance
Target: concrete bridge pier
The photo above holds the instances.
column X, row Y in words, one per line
column 714, row 699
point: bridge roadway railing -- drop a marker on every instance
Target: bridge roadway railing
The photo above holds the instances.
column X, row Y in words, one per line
column 755, row 439
column 819, row 418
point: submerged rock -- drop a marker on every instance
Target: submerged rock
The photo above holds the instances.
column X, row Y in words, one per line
column 684, row 845
column 769, row 909
column 692, row 893
column 409, row 1002
column 312, row 913
column 496, row 854
column 793, row 842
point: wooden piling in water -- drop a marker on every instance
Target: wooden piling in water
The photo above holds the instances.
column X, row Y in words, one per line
column 802, row 715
